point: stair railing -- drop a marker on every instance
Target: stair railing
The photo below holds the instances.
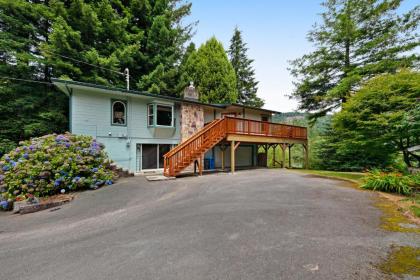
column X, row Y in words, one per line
column 185, row 153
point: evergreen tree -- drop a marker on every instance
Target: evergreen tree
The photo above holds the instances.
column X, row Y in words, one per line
column 213, row 75
column 356, row 40
column 379, row 121
column 245, row 74
column 83, row 40
column 145, row 36
column 26, row 108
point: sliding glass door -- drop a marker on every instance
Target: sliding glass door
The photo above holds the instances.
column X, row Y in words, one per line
column 152, row 155
column 149, row 156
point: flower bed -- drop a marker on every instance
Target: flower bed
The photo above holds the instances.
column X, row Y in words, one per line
column 53, row 164
column 393, row 182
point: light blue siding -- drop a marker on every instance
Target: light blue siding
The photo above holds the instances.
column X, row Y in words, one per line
column 91, row 115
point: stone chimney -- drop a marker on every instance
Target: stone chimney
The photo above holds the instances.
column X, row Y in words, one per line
column 192, row 115
column 190, row 93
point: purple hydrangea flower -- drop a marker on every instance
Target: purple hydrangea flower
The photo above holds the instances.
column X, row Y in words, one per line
column 14, row 163
column 109, row 182
column 95, row 169
column 60, row 138
column 7, row 158
column 31, row 147
column 25, row 156
column 1, row 178
column 6, row 168
column 4, row 204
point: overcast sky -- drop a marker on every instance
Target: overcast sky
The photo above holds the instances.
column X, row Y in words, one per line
column 275, row 31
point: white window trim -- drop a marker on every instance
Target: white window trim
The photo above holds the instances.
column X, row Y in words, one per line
column 125, row 112
column 151, row 115
column 155, row 115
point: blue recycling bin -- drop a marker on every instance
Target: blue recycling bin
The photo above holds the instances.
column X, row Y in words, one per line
column 209, row 163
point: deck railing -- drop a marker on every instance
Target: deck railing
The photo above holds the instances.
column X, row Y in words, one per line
column 260, row 128
column 194, row 147
column 182, row 155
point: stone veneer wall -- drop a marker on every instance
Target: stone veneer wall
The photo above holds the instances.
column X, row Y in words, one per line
column 192, row 120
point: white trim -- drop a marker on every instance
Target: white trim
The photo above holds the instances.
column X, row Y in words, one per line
column 112, row 113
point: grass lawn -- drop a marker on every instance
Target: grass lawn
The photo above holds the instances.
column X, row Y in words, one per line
column 352, row 176
column 411, row 204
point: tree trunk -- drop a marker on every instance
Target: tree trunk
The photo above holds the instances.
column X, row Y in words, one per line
column 406, row 157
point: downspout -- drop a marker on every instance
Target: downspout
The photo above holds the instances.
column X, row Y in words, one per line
column 128, row 131
column 70, row 92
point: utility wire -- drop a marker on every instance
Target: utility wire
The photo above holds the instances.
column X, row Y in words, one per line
column 80, row 61
column 24, row 80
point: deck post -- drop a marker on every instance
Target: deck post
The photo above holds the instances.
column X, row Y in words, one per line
column 223, row 159
column 290, row 155
column 266, row 155
column 306, row 157
column 232, row 156
column 274, row 154
column 223, row 149
column 283, row 155
column 201, row 165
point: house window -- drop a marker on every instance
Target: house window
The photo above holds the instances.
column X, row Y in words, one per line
column 150, row 114
column 164, row 115
column 160, row 115
column 119, row 113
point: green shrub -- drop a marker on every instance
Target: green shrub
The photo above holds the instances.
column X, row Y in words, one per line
column 52, row 164
column 393, row 182
column 6, row 145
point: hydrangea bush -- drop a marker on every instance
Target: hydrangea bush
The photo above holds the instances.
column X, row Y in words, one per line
column 53, row 164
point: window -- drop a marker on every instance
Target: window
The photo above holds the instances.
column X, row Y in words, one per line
column 160, row 115
column 119, row 113
column 164, row 115
column 150, row 114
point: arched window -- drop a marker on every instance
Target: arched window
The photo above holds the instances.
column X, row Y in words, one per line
column 119, row 113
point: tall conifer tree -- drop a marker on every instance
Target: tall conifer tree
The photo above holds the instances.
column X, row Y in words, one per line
column 210, row 70
column 41, row 39
column 245, row 75
column 356, row 40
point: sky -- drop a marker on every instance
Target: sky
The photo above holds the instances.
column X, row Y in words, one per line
column 275, row 31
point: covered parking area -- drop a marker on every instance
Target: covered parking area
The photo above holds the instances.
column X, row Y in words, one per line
column 248, row 143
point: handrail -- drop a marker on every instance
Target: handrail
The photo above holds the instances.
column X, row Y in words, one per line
column 191, row 138
column 195, row 146
column 182, row 155
column 241, row 119
column 260, row 128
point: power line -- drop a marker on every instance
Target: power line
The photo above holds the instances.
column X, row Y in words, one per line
column 80, row 61
column 24, row 80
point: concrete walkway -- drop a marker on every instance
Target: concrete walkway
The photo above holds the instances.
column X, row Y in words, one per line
column 258, row 224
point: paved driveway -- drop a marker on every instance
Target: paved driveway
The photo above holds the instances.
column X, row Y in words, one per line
column 259, row 224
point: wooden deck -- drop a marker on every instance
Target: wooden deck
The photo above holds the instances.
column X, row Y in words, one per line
column 235, row 131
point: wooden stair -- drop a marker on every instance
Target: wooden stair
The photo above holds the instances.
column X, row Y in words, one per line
column 194, row 148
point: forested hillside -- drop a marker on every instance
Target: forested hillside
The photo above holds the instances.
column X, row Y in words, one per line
column 95, row 41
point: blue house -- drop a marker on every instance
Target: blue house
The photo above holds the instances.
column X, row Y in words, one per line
column 139, row 128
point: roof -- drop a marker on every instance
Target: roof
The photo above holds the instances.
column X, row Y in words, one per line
column 66, row 83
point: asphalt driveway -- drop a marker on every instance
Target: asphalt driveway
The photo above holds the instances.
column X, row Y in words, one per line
column 258, row 224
